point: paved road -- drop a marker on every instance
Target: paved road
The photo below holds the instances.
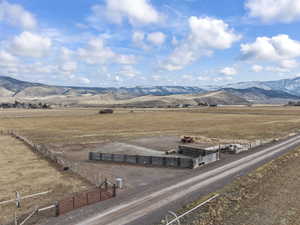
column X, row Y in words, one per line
column 148, row 209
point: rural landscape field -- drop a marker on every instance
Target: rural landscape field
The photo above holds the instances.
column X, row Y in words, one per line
column 150, row 112
column 87, row 126
column 74, row 131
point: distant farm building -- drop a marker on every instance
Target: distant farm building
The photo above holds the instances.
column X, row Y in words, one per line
column 106, row 111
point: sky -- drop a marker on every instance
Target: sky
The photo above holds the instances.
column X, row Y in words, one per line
column 105, row 43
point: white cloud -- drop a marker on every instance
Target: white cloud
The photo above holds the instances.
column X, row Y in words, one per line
column 206, row 34
column 157, row 38
column 271, row 49
column 222, row 79
column 118, row 79
column 277, row 69
column 156, row 77
column 289, row 64
column 7, row 59
column 211, row 33
column 279, row 49
column 257, row 68
column 35, row 69
column 138, row 38
column 68, row 67
column 229, row 71
column 43, row 71
column 125, row 59
column 129, row 71
column 203, row 78
column 136, row 11
column 284, row 67
column 187, row 77
column 274, row 10
column 97, row 53
column 83, row 80
column 65, row 53
column 30, row 44
column 16, row 15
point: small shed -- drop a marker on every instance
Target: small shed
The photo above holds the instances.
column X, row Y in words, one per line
column 106, row 111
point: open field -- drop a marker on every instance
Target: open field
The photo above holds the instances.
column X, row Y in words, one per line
column 24, row 171
column 75, row 131
column 87, row 126
column 270, row 195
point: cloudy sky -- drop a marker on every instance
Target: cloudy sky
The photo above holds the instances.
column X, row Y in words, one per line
column 149, row 42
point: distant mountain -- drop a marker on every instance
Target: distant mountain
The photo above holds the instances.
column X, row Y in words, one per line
column 221, row 97
column 291, row 86
column 15, row 85
column 232, row 94
column 259, row 95
column 210, row 98
column 24, row 89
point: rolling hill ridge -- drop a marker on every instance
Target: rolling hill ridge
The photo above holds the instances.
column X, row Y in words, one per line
column 280, row 91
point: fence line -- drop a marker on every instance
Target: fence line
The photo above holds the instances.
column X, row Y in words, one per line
column 5, row 132
column 82, row 199
column 75, row 167
column 77, row 199
column 143, row 160
column 19, row 197
column 177, row 219
column 58, row 159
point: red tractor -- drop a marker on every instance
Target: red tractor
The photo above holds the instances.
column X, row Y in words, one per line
column 187, row 139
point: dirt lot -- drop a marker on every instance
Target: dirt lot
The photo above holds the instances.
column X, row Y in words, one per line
column 269, row 196
column 87, row 126
column 134, row 176
column 24, row 171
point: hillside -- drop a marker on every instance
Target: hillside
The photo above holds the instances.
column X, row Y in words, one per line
column 291, row 86
column 258, row 95
column 211, row 98
column 158, row 96
column 5, row 92
column 31, row 90
column 221, row 97
column 15, row 85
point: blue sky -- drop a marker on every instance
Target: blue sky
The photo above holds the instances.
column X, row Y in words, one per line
column 149, row 42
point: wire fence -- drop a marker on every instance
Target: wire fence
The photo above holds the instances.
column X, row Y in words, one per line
column 90, row 196
column 177, row 218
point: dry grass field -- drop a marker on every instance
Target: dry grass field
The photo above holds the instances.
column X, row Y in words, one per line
column 72, row 126
column 269, row 195
column 87, row 126
column 24, row 171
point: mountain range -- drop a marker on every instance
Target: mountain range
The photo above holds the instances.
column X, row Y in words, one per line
column 280, row 91
column 291, row 86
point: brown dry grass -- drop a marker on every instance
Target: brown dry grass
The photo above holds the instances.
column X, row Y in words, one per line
column 270, row 196
column 86, row 126
column 24, row 171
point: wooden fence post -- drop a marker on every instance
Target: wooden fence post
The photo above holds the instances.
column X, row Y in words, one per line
column 114, row 190
column 106, row 184
column 16, row 219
